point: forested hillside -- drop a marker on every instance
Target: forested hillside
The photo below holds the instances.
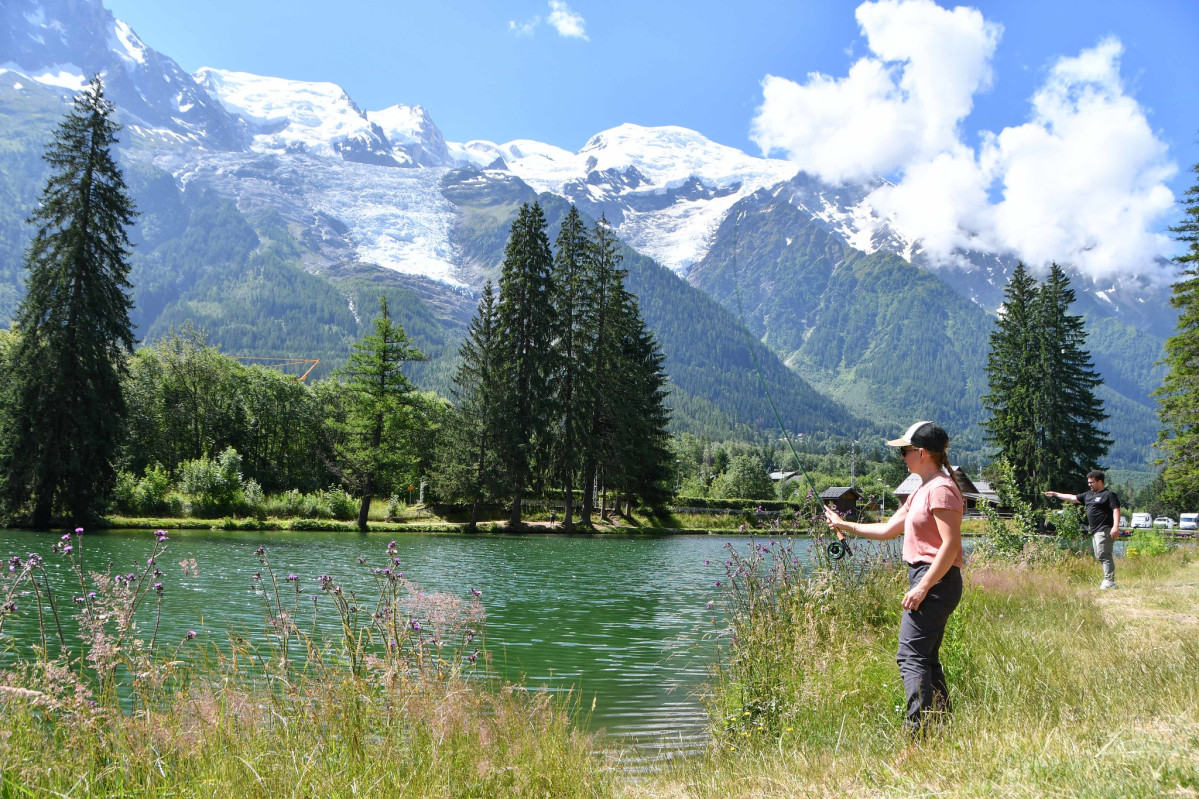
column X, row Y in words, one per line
column 891, row 340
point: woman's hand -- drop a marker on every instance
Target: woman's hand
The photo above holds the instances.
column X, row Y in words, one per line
column 913, row 598
column 832, row 517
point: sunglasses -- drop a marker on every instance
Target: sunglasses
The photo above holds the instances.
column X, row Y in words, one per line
column 903, row 451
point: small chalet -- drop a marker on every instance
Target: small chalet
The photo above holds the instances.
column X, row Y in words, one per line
column 844, row 499
column 973, row 492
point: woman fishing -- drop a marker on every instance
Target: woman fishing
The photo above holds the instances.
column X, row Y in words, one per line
column 931, row 524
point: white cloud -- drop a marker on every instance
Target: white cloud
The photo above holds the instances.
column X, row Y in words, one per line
column 901, row 106
column 524, row 28
column 1081, row 182
column 568, row 23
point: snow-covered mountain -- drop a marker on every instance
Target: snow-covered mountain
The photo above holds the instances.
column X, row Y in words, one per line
column 305, row 145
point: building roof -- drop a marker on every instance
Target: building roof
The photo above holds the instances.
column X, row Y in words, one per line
column 979, row 490
column 836, row 492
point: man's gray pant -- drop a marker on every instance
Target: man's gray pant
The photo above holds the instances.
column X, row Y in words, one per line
column 920, row 634
column 1102, row 542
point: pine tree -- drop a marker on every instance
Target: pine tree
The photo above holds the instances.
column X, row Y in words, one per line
column 572, row 255
column 642, row 461
column 375, row 413
column 1070, row 442
column 523, row 326
column 63, row 390
column 1178, row 394
column 1044, row 414
column 606, row 300
column 468, row 459
column 1011, row 377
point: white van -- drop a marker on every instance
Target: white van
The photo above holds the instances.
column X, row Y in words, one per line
column 1188, row 521
column 1141, row 520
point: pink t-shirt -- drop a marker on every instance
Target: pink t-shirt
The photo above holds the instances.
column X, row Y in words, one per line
column 921, row 540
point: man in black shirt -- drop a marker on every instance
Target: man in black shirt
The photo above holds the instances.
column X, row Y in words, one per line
column 1103, row 521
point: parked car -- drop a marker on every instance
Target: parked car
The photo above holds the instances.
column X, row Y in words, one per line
column 1141, row 520
column 1164, row 521
column 1188, row 521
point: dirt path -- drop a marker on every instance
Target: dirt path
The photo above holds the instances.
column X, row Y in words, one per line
column 1152, row 606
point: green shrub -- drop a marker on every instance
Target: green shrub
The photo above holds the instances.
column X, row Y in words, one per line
column 340, row 504
column 144, row 496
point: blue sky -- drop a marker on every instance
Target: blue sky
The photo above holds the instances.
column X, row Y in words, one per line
column 779, row 75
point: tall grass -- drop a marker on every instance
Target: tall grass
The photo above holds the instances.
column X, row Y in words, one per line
column 399, row 704
column 1059, row 690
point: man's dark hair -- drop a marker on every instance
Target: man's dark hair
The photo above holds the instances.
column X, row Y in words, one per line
column 1096, row 475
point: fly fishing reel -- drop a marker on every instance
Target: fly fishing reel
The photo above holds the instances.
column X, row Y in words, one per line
column 838, row 549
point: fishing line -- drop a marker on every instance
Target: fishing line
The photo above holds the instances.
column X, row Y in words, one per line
column 836, row 549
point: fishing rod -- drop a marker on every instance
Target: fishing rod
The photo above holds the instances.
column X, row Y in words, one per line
column 839, row 548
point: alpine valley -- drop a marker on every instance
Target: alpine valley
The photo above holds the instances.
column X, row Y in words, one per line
column 275, row 212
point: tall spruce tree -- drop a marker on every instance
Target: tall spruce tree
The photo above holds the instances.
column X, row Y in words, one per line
column 1012, row 377
column 1178, row 394
column 375, row 412
column 65, row 408
column 641, row 458
column 524, row 318
column 572, row 254
column 468, row 461
column 1070, row 442
column 603, row 320
column 1044, row 414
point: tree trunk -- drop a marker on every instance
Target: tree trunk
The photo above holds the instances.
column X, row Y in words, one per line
column 365, row 507
column 514, row 519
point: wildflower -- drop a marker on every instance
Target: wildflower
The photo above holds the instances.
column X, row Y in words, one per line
column 68, row 549
column 361, row 561
column 66, row 536
column 79, row 600
column 79, row 531
column 149, row 561
column 326, row 582
column 161, row 535
column 191, row 635
column 718, row 583
column 158, row 588
column 291, row 578
column 260, row 551
column 476, row 592
column 709, row 605
column 416, row 625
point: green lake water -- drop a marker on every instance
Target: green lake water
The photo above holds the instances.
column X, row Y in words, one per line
column 623, row 622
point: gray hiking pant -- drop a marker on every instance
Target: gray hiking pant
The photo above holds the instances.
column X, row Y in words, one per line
column 920, row 634
column 1102, row 542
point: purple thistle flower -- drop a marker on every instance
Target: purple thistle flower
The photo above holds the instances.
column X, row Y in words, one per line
column 291, row 578
column 261, row 551
column 66, row 537
column 191, row 635
column 158, row 588
column 416, row 625
column 476, row 592
column 79, row 530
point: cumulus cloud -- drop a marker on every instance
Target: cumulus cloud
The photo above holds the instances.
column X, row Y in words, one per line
column 568, row 23
column 1082, row 181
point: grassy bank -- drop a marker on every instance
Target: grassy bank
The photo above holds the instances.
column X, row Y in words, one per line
column 1060, row 690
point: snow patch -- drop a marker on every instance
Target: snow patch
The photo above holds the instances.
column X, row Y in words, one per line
column 289, row 114
column 130, row 46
